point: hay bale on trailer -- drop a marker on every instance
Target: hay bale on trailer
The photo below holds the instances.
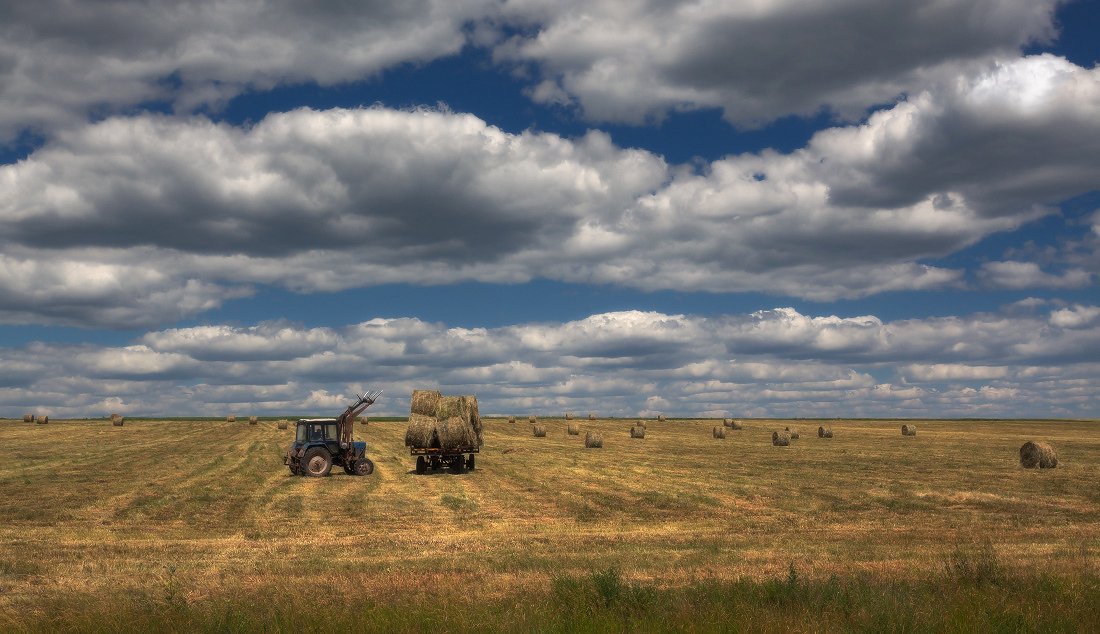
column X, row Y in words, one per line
column 822, row 432
column 781, row 439
column 573, row 430
column 252, row 420
column 538, row 431
column 908, row 430
column 425, row 402
column 1038, row 454
column 456, row 423
column 283, row 424
column 719, row 432
column 231, row 419
column 593, row 441
column 637, row 432
column 28, row 418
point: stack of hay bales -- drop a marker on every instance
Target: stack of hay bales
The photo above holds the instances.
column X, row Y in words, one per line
column 538, row 431
column 593, row 441
column 573, row 430
column 116, row 420
column 637, row 431
column 252, row 420
column 1038, row 454
column 28, row 418
column 42, row 420
column 231, row 418
column 569, row 416
column 591, row 415
column 823, row 432
column 283, row 424
column 781, row 439
column 908, row 430
column 719, row 432
column 443, row 422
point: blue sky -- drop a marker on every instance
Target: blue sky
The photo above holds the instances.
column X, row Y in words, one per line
column 843, row 208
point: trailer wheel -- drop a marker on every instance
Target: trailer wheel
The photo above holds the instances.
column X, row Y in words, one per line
column 363, row 466
column 457, row 464
column 470, row 463
column 421, row 465
column 317, row 463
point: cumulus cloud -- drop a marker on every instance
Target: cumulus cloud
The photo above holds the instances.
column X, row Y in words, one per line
column 771, row 362
column 636, row 61
column 60, row 61
column 1017, row 275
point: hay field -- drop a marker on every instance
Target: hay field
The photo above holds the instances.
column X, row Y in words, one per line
column 100, row 521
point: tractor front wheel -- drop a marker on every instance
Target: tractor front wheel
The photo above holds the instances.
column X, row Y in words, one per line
column 363, row 466
column 317, row 463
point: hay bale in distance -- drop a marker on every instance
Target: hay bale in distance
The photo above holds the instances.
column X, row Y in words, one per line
column 822, row 432
column 538, row 431
column 252, row 420
column 231, row 419
column 573, row 430
column 719, row 432
column 532, row 419
column 736, row 424
column 786, row 429
column 511, row 419
column 569, row 416
column 593, row 441
column 28, row 418
column 661, row 417
column 116, row 420
column 908, row 430
column 781, row 439
column 1038, row 454
column 283, row 424
column 637, row 432
column 794, row 435
column 425, row 402
column 591, row 415
column 42, row 420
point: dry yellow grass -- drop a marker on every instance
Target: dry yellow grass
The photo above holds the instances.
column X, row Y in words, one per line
column 91, row 509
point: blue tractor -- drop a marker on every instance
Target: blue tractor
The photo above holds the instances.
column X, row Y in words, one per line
column 321, row 443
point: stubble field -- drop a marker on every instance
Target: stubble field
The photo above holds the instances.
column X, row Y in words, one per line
column 197, row 525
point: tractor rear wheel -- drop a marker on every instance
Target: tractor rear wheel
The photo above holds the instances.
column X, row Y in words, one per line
column 421, row 465
column 363, row 467
column 317, row 463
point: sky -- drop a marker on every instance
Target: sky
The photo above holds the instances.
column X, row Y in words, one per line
column 827, row 208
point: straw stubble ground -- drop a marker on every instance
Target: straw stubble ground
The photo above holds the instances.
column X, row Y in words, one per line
column 206, row 509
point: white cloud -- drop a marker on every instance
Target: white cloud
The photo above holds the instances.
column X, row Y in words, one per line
column 636, row 61
column 775, row 362
column 1019, row 275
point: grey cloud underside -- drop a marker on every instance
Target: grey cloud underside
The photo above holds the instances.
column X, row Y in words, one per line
column 105, row 223
column 775, row 362
column 61, row 61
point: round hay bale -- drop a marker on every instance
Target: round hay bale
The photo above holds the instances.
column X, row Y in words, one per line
column 42, row 420
column 532, row 419
column 639, row 423
column 283, row 424
column 637, row 432
column 593, row 441
column 569, row 416
column 661, row 417
column 116, row 420
column 231, row 419
column 719, row 432
column 538, row 431
column 252, row 420
column 591, row 415
column 736, row 424
column 573, row 430
column 781, row 439
column 794, row 435
column 823, row 432
column 1038, row 454
column 511, row 419
column 425, row 402
column 908, row 430
column 786, row 429
column 28, row 418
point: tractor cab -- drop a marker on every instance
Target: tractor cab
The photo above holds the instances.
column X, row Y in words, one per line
column 318, row 431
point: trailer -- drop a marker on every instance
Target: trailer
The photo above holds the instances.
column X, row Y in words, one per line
column 436, row 458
